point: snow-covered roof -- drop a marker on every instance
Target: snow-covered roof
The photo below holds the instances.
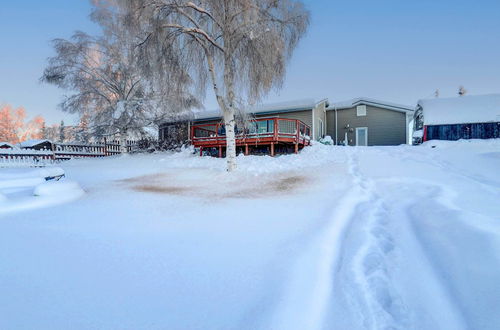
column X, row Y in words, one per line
column 369, row 101
column 461, row 110
column 32, row 143
column 290, row 106
column 6, row 144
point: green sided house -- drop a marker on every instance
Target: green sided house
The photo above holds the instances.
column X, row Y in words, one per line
column 369, row 122
column 290, row 126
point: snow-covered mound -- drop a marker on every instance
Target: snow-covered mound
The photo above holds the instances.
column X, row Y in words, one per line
column 333, row 238
column 55, row 189
column 24, row 188
column 28, row 177
column 21, row 173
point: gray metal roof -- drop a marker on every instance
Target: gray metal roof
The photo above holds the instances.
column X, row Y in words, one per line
column 290, row 106
column 369, row 101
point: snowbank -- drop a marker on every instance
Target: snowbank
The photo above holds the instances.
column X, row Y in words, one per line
column 20, row 173
column 332, row 238
column 22, row 189
column 55, row 189
column 460, row 144
column 20, row 182
column 461, row 110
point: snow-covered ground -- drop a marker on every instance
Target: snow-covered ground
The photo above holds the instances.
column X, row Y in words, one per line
column 334, row 238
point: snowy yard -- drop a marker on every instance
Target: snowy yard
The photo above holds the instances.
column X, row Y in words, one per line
column 334, row 238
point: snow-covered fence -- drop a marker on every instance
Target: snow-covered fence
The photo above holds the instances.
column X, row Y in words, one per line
column 61, row 151
column 64, row 151
column 25, row 158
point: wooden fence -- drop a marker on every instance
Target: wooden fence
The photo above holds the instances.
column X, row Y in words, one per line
column 61, row 151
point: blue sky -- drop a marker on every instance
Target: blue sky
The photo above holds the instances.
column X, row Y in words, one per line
column 393, row 50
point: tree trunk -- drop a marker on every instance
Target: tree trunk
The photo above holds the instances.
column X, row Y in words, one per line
column 229, row 111
column 123, row 141
column 227, row 107
column 230, row 139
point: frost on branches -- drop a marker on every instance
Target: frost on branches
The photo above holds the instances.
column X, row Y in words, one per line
column 237, row 48
column 14, row 129
column 109, row 90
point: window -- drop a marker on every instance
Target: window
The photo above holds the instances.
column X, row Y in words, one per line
column 265, row 126
column 361, row 110
column 321, row 129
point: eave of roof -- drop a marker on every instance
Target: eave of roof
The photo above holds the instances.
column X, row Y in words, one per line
column 266, row 109
column 369, row 101
column 33, row 143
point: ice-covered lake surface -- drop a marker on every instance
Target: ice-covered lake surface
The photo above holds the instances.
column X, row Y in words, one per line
column 333, row 238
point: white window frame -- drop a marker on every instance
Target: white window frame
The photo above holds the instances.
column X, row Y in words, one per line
column 361, row 110
column 366, row 135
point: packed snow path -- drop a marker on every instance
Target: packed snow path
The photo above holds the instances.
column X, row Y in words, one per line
column 334, row 238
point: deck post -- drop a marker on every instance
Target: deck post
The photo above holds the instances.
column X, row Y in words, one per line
column 220, row 152
column 297, row 148
column 276, row 129
column 246, row 150
column 272, row 149
column 201, row 151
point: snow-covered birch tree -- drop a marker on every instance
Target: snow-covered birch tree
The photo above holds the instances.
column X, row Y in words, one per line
column 240, row 48
column 107, row 84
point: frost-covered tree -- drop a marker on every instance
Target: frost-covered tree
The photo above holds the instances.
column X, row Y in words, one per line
column 82, row 130
column 13, row 127
column 11, row 122
column 107, row 85
column 62, row 136
column 239, row 48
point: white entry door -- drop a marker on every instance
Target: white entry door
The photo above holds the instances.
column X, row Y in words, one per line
column 362, row 136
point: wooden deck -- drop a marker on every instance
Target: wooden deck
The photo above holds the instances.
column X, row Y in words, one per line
column 269, row 135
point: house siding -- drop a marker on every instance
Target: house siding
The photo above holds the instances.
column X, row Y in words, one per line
column 320, row 114
column 304, row 116
column 385, row 127
column 182, row 130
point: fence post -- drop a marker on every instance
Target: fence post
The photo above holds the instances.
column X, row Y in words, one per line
column 105, row 147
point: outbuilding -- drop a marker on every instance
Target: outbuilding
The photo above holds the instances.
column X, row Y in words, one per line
column 37, row 145
column 465, row 117
column 6, row 145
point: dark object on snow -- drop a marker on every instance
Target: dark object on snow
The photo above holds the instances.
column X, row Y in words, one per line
column 54, row 178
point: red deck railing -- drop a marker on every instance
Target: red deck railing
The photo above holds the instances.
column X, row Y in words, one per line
column 263, row 131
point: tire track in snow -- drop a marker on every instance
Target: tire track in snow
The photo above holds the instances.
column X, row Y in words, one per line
column 309, row 292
